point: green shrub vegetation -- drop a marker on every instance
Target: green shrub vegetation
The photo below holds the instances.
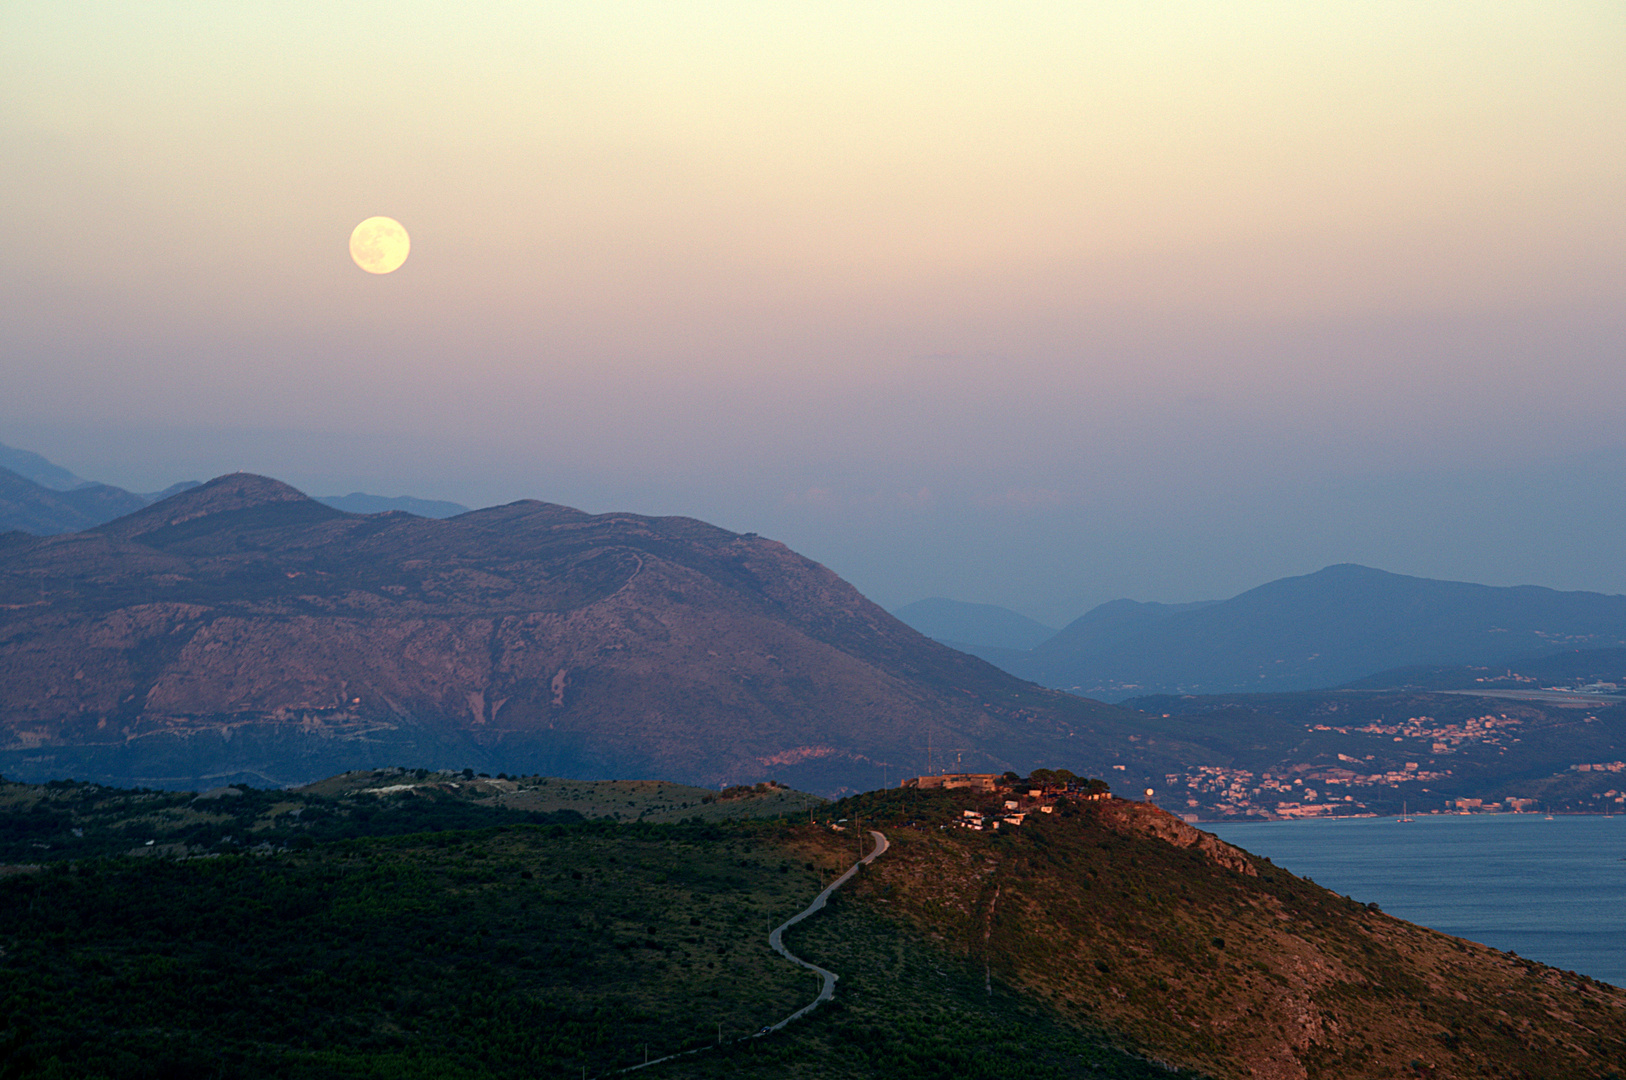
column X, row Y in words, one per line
column 312, row 949
column 68, row 820
column 494, row 952
column 1104, row 939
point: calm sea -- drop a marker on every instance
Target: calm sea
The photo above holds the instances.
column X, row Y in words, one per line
column 1553, row 891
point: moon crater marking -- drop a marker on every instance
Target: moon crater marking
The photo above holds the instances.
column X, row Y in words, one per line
column 379, row 245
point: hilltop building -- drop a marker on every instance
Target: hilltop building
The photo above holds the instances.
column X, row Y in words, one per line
column 974, row 781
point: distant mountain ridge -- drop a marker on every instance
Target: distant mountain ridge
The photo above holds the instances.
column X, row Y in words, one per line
column 40, row 497
column 26, row 463
column 358, row 502
column 241, row 630
column 958, row 623
column 34, row 508
column 1325, row 629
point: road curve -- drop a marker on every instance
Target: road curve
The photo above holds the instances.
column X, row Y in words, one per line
column 776, row 941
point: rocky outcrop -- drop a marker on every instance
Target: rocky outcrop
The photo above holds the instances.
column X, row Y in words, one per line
column 1153, row 820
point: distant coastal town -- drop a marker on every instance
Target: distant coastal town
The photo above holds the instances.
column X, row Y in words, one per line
column 1371, row 784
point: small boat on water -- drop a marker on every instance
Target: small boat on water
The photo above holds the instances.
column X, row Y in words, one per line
column 1403, row 818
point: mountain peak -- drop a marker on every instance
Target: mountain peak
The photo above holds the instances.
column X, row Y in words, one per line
column 234, row 491
column 229, row 494
column 1348, row 571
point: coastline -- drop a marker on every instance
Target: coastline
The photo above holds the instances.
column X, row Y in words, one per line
column 1260, row 819
column 1551, row 892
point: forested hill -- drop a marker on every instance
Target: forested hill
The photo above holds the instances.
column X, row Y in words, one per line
column 1105, row 938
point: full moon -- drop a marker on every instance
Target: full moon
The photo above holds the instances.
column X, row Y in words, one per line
column 379, row 245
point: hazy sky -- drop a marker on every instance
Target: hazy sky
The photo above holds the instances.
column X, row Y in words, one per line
column 1037, row 304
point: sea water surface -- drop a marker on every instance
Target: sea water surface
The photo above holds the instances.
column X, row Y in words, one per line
column 1550, row 890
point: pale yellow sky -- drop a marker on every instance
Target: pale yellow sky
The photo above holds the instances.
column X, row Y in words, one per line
column 854, row 148
column 899, row 240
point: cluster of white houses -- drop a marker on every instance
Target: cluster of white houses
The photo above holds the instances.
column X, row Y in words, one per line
column 1013, row 814
column 1018, row 804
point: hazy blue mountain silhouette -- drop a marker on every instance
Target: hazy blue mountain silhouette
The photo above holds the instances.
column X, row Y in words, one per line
column 958, row 623
column 358, row 502
column 1325, row 629
column 173, row 489
column 46, row 473
column 34, row 508
column 40, row 497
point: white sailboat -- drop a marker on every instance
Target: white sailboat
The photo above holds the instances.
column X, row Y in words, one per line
column 1403, row 817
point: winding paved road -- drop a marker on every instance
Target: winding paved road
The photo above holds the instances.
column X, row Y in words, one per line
column 776, row 941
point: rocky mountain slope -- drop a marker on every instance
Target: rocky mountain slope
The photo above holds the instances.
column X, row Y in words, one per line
column 241, row 630
column 1120, row 915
